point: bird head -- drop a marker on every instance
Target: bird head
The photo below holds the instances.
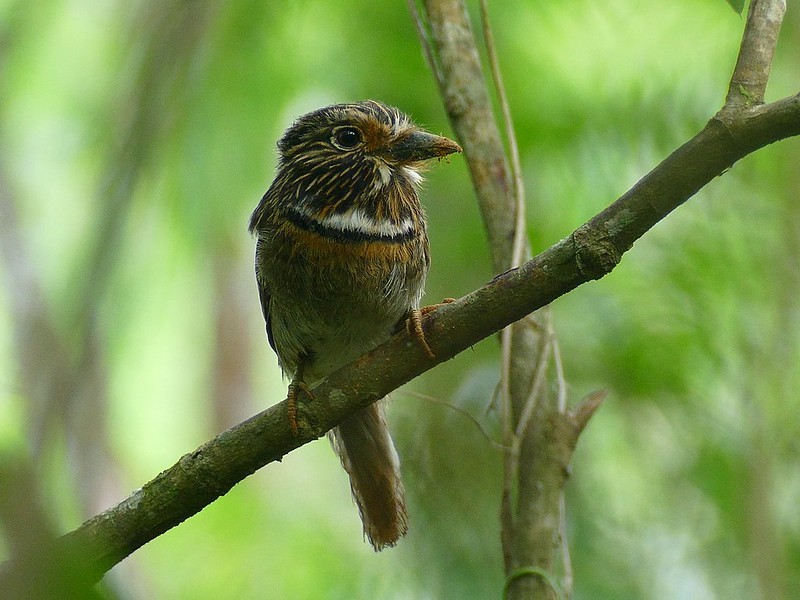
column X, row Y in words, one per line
column 357, row 165
column 362, row 131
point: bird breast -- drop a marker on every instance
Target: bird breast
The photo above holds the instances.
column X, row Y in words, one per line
column 333, row 300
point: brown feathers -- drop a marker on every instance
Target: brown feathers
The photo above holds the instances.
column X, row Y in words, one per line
column 341, row 257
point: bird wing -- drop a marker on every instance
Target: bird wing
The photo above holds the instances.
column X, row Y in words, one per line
column 263, row 290
column 264, row 296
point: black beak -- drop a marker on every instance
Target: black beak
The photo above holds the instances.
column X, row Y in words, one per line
column 421, row 145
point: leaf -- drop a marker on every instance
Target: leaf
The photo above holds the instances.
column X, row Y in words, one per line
column 737, row 5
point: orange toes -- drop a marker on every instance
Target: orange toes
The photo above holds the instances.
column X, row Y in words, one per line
column 297, row 385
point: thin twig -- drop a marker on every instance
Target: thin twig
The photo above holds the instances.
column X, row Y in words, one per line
column 566, row 560
column 493, row 400
column 539, row 379
column 461, row 411
column 425, row 42
column 520, row 239
column 561, row 381
column 511, row 442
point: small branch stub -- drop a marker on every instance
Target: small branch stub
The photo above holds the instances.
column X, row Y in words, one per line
column 596, row 256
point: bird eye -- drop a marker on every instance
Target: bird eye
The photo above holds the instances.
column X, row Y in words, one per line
column 346, row 138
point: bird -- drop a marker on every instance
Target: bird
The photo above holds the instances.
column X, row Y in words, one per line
column 341, row 259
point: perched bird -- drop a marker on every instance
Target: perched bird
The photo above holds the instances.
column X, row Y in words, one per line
column 341, row 259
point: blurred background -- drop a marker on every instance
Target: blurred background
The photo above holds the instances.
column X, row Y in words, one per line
column 136, row 138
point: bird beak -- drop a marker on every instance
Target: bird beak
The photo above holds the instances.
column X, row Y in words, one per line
column 421, row 145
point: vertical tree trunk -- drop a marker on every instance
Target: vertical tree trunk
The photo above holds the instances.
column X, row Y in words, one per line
column 539, row 435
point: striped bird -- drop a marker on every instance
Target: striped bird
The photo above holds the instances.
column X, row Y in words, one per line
column 341, row 259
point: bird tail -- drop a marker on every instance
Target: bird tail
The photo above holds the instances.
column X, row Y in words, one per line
column 368, row 455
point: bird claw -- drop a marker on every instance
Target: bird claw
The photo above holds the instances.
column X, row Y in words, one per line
column 295, row 387
column 414, row 324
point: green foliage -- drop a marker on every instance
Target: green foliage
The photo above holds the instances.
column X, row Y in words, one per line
column 138, row 137
column 736, row 5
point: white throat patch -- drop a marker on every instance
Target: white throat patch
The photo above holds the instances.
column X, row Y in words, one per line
column 357, row 221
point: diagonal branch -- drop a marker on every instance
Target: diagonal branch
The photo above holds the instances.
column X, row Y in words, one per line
column 590, row 252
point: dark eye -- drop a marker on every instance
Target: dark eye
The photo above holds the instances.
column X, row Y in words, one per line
column 346, row 138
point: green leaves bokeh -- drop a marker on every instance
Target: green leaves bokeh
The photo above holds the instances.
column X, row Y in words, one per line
column 137, row 137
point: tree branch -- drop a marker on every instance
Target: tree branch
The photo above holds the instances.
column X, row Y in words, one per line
column 527, row 406
column 467, row 104
column 590, row 252
column 753, row 65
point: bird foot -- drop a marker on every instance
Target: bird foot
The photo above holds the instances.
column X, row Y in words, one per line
column 296, row 387
column 414, row 324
